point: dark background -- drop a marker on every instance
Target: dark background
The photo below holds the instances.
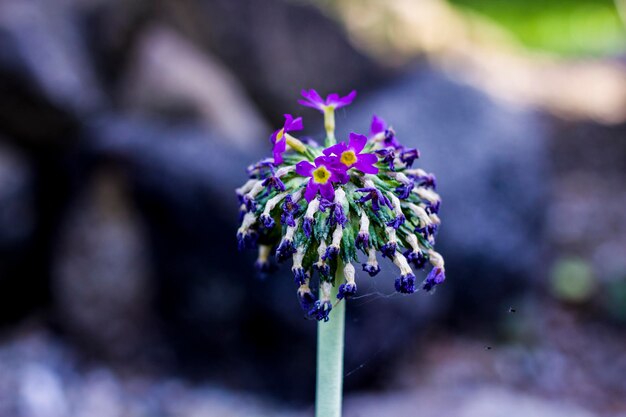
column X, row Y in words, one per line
column 126, row 125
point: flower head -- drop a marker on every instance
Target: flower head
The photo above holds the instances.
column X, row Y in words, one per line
column 319, row 206
column 279, row 140
column 333, row 101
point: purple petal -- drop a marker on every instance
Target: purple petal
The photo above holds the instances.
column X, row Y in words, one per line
column 311, row 191
column 327, row 191
column 344, row 101
column 357, row 142
column 366, row 163
column 332, row 99
column 335, row 149
column 304, row 168
column 377, row 126
column 279, row 148
column 310, row 104
column 296, row 124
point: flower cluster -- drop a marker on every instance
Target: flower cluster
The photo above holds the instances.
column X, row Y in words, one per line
column 321, row 206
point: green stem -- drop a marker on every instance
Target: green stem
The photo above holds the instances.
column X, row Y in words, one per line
column 330, row 337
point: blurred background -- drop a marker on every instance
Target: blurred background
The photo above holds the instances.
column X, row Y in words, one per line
column 125, row 126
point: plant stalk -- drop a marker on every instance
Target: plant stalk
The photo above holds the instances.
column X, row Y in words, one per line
column 330, row 341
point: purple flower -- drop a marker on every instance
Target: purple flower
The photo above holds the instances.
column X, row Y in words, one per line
column 427, row 181
column 333, row 101
column 307, row 226
column 404, row 190
column 433, row 207
column 405, row 284
column 307, row 299
column 436, row 276
column 267, row 220
column 350, row 155
column 377, row 197
column 320, row 310
column 388, row 156
column 377, row 126
column 322, row 175
column 416, row 258
column 389, row 249
column 331, row 252
column 397, row 221
column 346, row 290
column 279, row 140
column 322, row 268
column 362, row 240
column 372, row 270
column 299, row 276
column 290, row 210
column 273, row 182
column 409, row 155
column 285, row 250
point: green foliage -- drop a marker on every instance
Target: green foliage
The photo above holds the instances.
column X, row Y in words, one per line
column 565, row 27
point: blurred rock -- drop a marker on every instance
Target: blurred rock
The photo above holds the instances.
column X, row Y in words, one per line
column 47, row 81
column 275, row 47
column 41, row 377
column 169, row 75
column 491, row 164
column 101, row 273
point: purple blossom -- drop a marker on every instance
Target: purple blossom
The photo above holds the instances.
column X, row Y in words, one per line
column 290, row 210
column 338, row 216
column 427, row 181
column 322, row 175
column 372, row 270
column 333, row 101
column 433, row 207
column 307, row 300
column 417, row 258
column 427, row 231
column 350, row 155
column 404, row 190
column 397, row 221
column 362, row 241
column 331, row 253
column 320, row 310
column 388, row 156
column 285, row 250
column 267, row 220
column 405, row 284
column 322, row 268
column 436, row 276
column 389, row 249
column 377, row 126
column 409, row 155
column 299, row 276
column 274, row 182
column 307, row 226
column 377, row 197
column 346, row 290
column 278, row 139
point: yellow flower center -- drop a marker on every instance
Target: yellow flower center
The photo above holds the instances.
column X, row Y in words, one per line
column 348, row 158
column 321, row 175
column 280, row 134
